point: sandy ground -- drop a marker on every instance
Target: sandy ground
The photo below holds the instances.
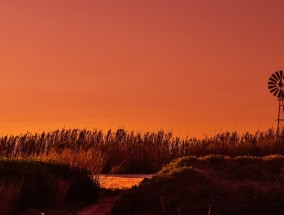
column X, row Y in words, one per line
column 104, row 205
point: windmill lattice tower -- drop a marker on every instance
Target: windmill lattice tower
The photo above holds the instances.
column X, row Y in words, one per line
column 276, row 87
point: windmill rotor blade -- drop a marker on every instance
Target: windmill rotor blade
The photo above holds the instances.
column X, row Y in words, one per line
column 272, row 83
column 272, row 79
column 278, row 75
column 273, row 90
column 275, row 84
column 276, row 92
column 272, row 87
column 281, row 94
column 274, row 76
column 281, row 74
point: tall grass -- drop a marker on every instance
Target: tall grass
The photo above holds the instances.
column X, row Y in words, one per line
column 57, row 195
column 43, row 185
column 9, row 195
column 130, row 152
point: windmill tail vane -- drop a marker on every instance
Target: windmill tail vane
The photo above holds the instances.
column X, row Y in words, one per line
column 276, row 87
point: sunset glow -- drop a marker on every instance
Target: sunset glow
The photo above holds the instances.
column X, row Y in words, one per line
column 193, row 67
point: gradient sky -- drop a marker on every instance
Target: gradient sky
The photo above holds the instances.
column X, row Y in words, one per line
column 193, row 67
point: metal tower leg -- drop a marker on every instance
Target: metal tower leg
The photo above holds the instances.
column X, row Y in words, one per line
column 280, row 120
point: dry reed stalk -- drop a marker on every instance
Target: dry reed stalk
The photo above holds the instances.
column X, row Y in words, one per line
column 58, row 194
column 89, row 159
column 9, row 195
column 163, row 206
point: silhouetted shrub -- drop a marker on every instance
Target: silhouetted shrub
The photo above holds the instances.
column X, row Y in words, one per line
column 219, row 184
column 49, row 185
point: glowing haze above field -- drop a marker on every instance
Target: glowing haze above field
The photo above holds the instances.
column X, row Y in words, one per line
column 194, row 67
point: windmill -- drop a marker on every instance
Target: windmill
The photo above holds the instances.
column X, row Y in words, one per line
column 276, row 87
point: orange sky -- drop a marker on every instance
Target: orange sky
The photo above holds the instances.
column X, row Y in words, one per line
column 194, row 67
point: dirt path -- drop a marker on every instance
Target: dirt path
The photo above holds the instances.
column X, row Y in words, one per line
column 102, row 207
column 105, row 204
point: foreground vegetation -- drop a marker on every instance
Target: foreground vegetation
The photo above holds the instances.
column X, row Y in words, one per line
column 57, row 170
column 129, row 152
column 210, row 185
column 32, row 186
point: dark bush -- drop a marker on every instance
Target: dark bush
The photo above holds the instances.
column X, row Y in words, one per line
column 49, row 185
column 210, row 185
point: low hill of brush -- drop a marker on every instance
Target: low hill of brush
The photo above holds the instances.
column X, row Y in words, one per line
column 210, row 185
column 27, row 185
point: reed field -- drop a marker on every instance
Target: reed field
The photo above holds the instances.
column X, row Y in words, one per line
column 129, row 152
column 70, row 160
